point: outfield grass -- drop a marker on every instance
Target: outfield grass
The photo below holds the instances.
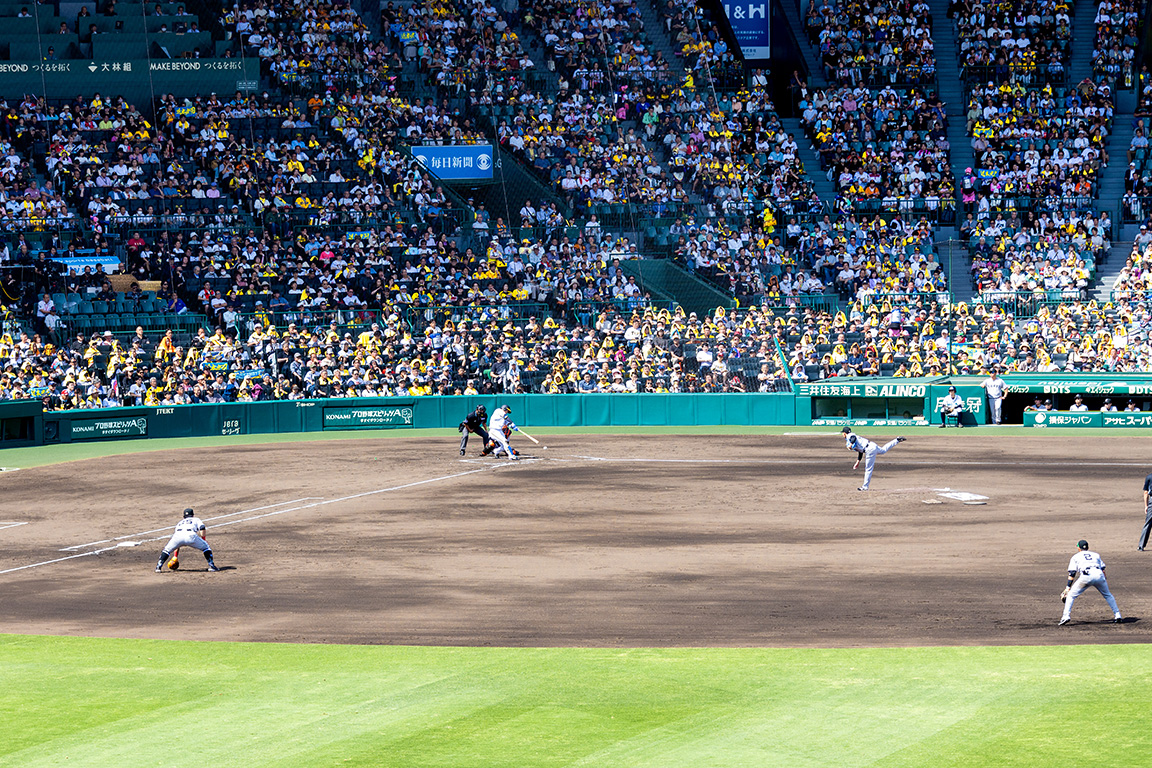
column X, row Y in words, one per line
column 98, row 702
column 62, row 452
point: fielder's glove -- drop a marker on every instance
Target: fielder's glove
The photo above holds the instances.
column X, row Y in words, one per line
column 460, row 428
column 1064, row 594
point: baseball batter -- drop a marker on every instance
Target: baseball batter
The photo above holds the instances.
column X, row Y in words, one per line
column 190, row 532
column 868, row 451
column 1086, row 569
column 474, row 422
column 499, row 429
column 994, row 387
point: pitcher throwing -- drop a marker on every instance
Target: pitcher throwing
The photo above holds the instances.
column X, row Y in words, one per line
column 868, row 451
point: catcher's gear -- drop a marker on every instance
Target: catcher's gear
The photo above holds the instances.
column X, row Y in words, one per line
column 507, row 431
column 189, row 513
column 1064, row 594
column 481, row 409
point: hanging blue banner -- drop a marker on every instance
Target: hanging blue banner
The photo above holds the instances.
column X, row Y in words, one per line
column 749, row 20
column 460, row 162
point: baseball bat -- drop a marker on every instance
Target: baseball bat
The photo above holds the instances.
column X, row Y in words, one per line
column 529, row 437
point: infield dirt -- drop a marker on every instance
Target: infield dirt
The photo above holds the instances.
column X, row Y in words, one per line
column 603, row 541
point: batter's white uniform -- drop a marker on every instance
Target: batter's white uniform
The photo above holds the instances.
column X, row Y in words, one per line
column 188, row 535
column 854, row 442
column 496, row 426
column 1088, row 570
column 994, row 387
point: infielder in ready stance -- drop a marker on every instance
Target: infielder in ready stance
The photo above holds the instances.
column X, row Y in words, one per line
column 499, row 429
column 474, row 422
column 1086, row 569
column 190, row 532
column 868, row 451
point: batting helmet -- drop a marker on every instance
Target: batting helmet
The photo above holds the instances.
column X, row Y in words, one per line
column 188, row 512
column 507, row 408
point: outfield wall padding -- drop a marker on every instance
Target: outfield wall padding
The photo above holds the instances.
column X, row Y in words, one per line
column 247, row 418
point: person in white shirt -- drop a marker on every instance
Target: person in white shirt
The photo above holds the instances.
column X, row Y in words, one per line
column 190, row 532
column 1085, row 570
column 994, row 387
column 868, row 451
column 500, row 428
column 1078, row 405
column 951, row 405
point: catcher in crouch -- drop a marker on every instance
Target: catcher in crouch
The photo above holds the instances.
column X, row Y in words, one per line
column 474, row 422
column 500, row 429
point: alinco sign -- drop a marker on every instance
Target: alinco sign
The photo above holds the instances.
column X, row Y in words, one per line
column 104, row 429
column 382, row 417
column 861, row 390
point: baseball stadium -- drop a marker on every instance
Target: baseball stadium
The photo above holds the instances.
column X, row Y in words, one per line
column 575, row 383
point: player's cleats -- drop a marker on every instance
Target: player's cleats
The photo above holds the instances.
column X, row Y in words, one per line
column 942, row 425
column 213, row 567
column 861, row 489
column 1063, row 622
column 1118, row 620
column 159, row 569
column 901, row 439
column 461, row 451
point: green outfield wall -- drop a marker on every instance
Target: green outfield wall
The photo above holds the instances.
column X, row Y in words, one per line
column 833, row 402
column 593, row 410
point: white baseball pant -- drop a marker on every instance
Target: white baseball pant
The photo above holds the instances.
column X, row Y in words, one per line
column 501, row 443
column 994, row 404
column 186, row 539
column 870, row 459
column 1093, row 578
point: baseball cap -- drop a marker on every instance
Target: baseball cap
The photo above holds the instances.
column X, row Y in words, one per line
column 1082, row 544
column 951, row 389
column 846, row 430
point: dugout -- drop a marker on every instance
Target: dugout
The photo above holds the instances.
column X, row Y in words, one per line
column 871, row 401
column 1062, row 388
column 20, row 423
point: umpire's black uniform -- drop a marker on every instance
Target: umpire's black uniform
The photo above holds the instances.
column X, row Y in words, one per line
column 474, row 422
column 1143, row 540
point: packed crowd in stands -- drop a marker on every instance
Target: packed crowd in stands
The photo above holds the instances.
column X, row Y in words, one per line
column 920, row 338
column 1052, row 255
column 1029, row 42
column 643, row 351
column 1037, row 148
column 1117, row 35
column 884, row 150
column 1134, row 283
column 873, row 43
column 857, row 257
column 1039, row 141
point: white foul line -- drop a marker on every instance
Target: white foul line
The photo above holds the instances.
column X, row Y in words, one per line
column 266, row 514
column 5, row 524
column 207, row 519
